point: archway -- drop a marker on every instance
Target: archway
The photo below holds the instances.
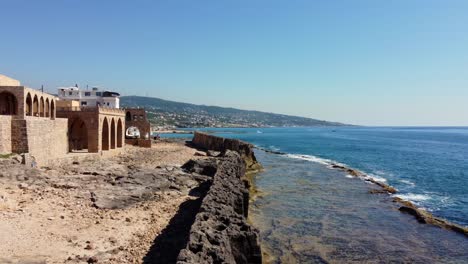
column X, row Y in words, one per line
column 41, row 107
column 119, row 133
column 52, row 109
column 132, row 132
column 128, row 116
column 47, row 108
column 105, row 134
column 28, row 105
column 8, row 104
column 112, row 134
column 35, row 106
column 78, row 136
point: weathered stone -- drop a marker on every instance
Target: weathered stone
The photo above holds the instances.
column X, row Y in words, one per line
column 203, row 166
column 220, row 233
column 212, row 153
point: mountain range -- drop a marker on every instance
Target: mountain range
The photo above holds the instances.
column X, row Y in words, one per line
column 165, row 113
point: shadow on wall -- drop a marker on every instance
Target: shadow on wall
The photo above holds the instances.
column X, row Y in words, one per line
column 167, row 246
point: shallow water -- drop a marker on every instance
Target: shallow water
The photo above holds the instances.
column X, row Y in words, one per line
column 310, row 213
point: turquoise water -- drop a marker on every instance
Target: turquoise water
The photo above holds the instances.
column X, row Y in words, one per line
column 310, row 213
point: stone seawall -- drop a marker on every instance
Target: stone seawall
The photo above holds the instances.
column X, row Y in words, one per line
column 221, row 233
column 211, row 142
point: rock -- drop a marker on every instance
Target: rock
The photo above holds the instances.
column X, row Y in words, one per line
column 128, row 220
column 89, row 246
column 212, row 153
column 376, row 191
column 113, row 240
column 200, row 154
column 203, row 166
column 221, row 233
column 23, row 186
column 93, row 260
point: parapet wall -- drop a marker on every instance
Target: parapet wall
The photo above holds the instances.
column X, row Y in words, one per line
column 220, row 233
column 211, row 142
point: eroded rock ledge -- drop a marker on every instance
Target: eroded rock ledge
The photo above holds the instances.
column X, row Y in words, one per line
column 211, row 142
column 221, row 233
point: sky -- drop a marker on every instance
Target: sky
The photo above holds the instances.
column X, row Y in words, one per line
column 378, row 63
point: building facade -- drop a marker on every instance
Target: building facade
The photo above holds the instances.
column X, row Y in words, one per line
column 38, row 123
column 90, row 98
column 28, row 122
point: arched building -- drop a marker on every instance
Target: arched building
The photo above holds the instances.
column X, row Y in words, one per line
column 28, row 123
column 47, row 128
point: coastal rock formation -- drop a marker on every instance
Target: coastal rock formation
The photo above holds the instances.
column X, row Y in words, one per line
column 220, row 233
column 425, row 217
column 214, row 143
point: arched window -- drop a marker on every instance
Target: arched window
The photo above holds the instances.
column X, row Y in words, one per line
column 112, row 135
column 8, row 104
column 128, row 116
column 132, row 132
column 41, row 107
column 35, row 106
column 47, row 108
column 105, row 134
column 29, row 105
column 52, row 109
column 78, row 136
column 119, row 133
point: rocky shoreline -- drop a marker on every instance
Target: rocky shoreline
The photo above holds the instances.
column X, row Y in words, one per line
column 423, row 216
column 221, row 232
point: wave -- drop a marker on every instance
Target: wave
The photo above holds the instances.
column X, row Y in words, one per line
column 412, row 197
column 331, row 164
column 410, row 183
column 312, row 159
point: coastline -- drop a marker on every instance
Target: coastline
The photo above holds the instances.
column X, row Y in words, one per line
column 406, row 206
column 221, row 232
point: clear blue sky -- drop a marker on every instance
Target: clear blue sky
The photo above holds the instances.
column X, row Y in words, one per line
column 362, row 62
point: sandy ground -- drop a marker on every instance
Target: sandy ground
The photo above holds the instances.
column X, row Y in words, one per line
column 104, row 211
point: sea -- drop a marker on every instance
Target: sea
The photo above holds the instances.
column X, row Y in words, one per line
column 308, row 212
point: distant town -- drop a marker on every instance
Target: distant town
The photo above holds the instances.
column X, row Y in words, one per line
column 164, row 114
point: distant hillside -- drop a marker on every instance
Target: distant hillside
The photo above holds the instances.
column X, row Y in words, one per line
column 168, row 113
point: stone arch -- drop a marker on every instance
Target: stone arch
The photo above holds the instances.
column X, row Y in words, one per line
column 105, row 134
column 35, row 106
column 52, row 109
column 78, row 135
column 29, row 105
column 8, row 104
column 132, row 132
column 119, row 133
column 112, row 135
column 47, row 108
column 128, row 116
column 41, row 107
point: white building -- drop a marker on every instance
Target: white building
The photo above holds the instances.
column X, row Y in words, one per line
column 93, row 97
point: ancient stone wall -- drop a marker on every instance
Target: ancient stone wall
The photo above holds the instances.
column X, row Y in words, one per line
column 221, row 233
column 211, row 142
column 143, row 143
column 46, row 139
column 5, row 134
